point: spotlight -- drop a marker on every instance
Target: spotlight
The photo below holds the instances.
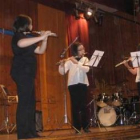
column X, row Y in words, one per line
column 89, row 13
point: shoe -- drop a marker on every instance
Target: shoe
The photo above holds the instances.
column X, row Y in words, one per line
column 87, row 131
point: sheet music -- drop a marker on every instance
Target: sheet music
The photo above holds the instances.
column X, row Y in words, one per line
column 135, row 58
column 96, row 57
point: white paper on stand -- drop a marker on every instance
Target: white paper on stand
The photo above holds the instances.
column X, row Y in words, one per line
column 135, row 58
column 96, row 57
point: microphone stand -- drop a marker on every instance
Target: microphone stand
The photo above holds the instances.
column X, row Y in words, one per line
column 65, row 119
column 62, row 55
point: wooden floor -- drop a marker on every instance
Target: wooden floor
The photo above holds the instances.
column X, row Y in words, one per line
column 108, row 133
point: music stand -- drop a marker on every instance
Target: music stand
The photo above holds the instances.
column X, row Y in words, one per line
column 95, row 58
column 7, row 99
column 93, row 62
column 135, row 58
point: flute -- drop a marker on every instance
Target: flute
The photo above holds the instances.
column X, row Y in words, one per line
column 64, row 60
column 39, row 33
column 123, row 62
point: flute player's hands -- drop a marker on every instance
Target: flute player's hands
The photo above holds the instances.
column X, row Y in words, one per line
column 125, row 62
column 45, row 34
column 72, row 58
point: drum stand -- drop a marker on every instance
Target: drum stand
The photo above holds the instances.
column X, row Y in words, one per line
column 94, row 117
column 134, row 114
column 121, row 117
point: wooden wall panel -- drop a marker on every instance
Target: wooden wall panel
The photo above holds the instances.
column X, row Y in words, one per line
column 117, row 37
column 51, row 82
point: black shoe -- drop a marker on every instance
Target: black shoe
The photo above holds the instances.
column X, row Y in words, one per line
column 87, row 131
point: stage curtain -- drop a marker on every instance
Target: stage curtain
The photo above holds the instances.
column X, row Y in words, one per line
column 77, row 28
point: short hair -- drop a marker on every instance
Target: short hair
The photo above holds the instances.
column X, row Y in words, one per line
column 21, row 23
column 75, row 48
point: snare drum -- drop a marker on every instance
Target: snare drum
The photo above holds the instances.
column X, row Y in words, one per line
column 107, row 116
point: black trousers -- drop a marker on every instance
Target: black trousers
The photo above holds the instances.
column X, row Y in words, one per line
column 25, row 116
column 78, row 95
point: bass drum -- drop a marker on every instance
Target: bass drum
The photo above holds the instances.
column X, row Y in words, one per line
column 107, row 116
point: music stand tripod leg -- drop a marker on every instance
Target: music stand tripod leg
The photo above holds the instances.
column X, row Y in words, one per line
column 2, row 127
column 5, row 125
column 73, row 127
column 14, row 127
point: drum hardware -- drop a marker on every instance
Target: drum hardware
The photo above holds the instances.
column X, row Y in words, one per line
column 94, row 118
column 123, row 111
column 116, row 99
column 121, row 117
column 91, row 117
column 134, row 114
column 101, row 100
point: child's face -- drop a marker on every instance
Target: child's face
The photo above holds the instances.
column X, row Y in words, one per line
column 81, row 50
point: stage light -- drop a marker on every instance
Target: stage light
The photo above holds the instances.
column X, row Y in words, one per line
column 84, row 8
column 89, row 13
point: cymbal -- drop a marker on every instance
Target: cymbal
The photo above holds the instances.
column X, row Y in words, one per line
column 116, row 103
column 101, row 104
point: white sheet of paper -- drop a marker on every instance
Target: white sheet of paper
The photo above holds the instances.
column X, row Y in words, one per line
column 135, row 56
column 96, row 57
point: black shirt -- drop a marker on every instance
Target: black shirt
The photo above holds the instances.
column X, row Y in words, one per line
column 24, row 60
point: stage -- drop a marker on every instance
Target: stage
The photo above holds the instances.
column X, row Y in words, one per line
column 108, row 133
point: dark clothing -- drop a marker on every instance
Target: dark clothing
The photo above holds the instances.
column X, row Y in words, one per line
column 25, row 116
column 24, row 61
column 78, row 95
column 23, row 73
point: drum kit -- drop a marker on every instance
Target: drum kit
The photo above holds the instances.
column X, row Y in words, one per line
column 115, row 110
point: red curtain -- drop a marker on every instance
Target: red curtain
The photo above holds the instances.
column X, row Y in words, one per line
column 77, row 28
